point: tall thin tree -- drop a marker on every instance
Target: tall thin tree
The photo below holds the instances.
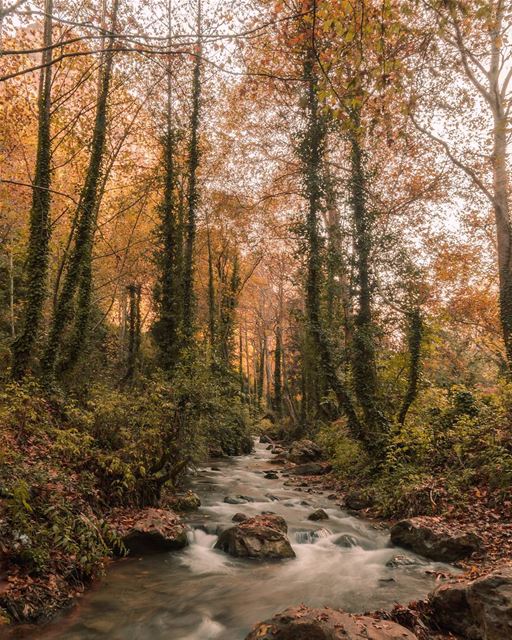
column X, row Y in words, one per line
column 39, row 233
column 193, row 192
column 79, row 262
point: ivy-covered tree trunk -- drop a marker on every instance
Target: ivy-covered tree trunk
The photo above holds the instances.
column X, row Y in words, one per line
column 167, row 291
column 193, row 193
column 363, row 344
column 311, row 153
column 261, row 371
column 79, row 262
column 415, row 335
column 278, row 381
column 228, row 304
column 212, row 325
column 39, row 233
column 134, row 295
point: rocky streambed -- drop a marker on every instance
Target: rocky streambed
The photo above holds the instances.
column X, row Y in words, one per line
column 257, row 546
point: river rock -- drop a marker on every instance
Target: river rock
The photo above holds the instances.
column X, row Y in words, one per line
column 271, row 475
column 304, row 451
column 436, row 544
column 402, row 561
column 305, row 623
column 311, row 469
column 346, row 541
column 319, row 514
column 479, row 610
column 239, row 517
column 357, row 500
column 189, row 501
column 238, row 499
column 154, row 531
column 262, row 537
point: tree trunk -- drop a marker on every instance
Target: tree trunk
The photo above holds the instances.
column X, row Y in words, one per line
column 311, row 151
column 39, row 233
column 166, row 326
column 415, row 331
column 363, row 358
column 79, row 263
column 193, row 194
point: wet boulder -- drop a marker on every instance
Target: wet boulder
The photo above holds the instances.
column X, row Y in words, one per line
column 480, row 609
column 262, row 537
column 153, row 531
column 305, row 623
column 346, row 541
column 271, row 475
column 441, row 544
column 239, row 517
column 304, row 451
column 358, row 500
column 188, row 501
column 319, row 514
column 311, row 469
column 238, row 499
column 402, row 561
column 310, row 537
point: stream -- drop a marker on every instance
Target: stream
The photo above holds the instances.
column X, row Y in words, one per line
column 203, row 594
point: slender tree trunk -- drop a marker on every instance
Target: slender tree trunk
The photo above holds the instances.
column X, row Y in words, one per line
column 166, row 327
column 134, row 295
column 501, row 186
column 193, row 193
column 211, row 298
column 311, row 154
column 278, row 378
column 39, row 233
column 79, row 263
column 415, row 334
column 247, row 365
column 240, row 362
column 363, row 361
column 261, row 372
column 11, row 294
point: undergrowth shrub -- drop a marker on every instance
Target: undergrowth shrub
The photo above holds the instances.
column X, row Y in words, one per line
column 453, row 440
column 65, row 462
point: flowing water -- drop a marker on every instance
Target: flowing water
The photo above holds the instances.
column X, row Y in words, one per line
column 203, row 594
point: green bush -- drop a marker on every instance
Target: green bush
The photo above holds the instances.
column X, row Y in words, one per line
column 452, row 441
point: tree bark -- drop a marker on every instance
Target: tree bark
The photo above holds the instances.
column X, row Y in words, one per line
column 39, row 233
column 193, row 193
column 79, row 263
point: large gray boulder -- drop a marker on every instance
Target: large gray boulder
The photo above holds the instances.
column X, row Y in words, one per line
column 304, row 451
column 477, row 610
column 262, row 537
column 153, row 531
column 305, row 623
column 437, row 544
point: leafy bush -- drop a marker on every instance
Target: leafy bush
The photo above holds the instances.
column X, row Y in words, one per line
column 453, row 440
